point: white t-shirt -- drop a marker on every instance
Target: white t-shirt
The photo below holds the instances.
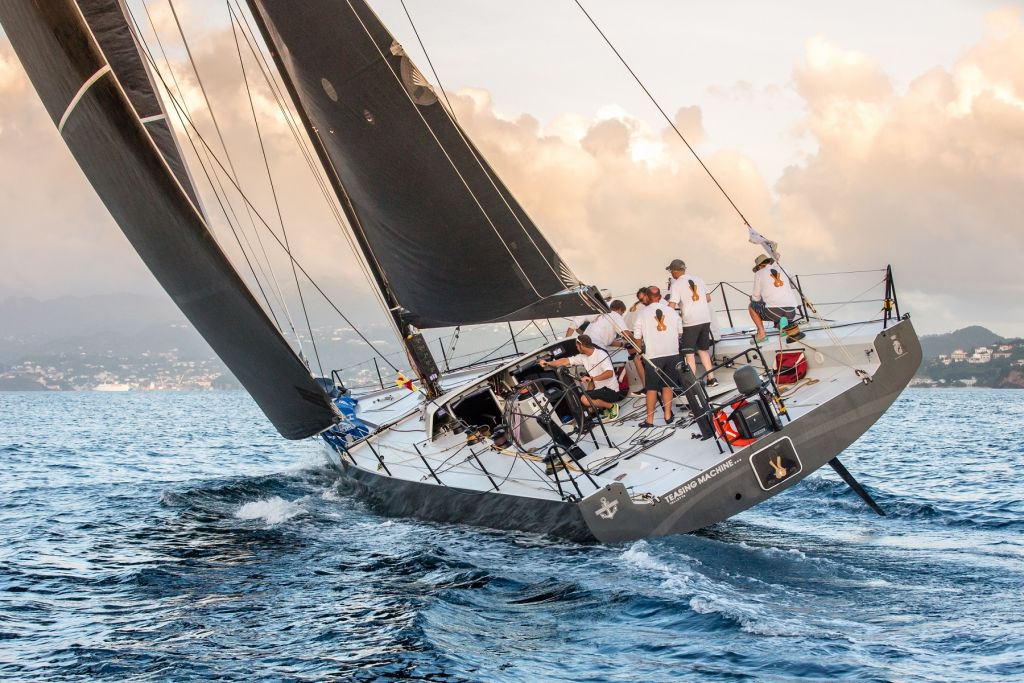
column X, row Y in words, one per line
column 595, row 364
column 683, row 294
column 773, row 287
column 575, row 323
column 659, row 343
column 631, row 316
column 605, row 329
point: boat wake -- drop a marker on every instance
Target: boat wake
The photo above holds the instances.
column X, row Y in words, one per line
column 273, row 510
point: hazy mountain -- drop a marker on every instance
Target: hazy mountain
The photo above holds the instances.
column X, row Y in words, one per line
column 121, row 323
column 967, row 339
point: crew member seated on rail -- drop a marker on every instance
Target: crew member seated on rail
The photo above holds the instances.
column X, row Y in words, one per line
column 600, row 386
column 774, row 296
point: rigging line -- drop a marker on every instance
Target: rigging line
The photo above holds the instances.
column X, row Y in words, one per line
column 664, row 115
column 273, row 189
column 148, row 52
column 227, row 155
column 451, row 161
column 214, row 186
column 179, row 108
column 302, row 270
column 380, row 282
column 489, row 173
column 430, row 63
column 303, row 144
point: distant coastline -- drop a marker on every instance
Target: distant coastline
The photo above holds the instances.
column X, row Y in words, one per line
column 971, row 357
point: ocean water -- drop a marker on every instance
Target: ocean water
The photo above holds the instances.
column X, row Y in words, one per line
column 175, row 536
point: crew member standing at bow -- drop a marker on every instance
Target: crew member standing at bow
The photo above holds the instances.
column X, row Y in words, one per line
column 774, row 296
column 659, row 327
column 690, row 297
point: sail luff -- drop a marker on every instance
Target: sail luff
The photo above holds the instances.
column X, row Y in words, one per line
column 325, row 160
column 147, row 200
column 109, row 25
column 448, row 242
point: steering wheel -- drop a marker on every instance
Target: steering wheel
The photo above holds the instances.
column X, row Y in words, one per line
column 540, row 401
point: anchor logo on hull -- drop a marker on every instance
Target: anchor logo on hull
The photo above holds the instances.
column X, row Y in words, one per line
column 608, row 508
column 897, row 346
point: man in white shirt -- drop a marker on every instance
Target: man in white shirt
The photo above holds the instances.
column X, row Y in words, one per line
column 659, row 326
column 691, row 298
column 635, row 310
column 607, row 327
column 600, row 385
column 774, row 296
column 580, row 323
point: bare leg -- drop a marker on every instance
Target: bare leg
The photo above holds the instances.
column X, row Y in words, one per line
column 758, row 322
column 639, row 362
column 589, row 402
column 666, row 399
column 705, row 360
column 651, row 400
column 692, row 363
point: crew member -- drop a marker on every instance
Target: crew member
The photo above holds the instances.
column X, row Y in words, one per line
column 600, row 387
column 659, row 326
column 580, row 323
column 774, row 296
column 675, row 271
column 691, row 298
column 604, row 331
column 635, row 347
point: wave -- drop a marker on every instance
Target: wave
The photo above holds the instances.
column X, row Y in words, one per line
column 979, row 513
column 274, row 510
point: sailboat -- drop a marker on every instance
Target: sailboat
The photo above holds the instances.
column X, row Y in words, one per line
column 503, row 443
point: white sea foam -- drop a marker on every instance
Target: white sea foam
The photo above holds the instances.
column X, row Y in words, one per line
column 273, row 510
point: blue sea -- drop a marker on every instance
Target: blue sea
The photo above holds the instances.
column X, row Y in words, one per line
column 175, row 536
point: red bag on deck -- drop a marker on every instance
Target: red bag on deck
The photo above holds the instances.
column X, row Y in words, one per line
column 790, row 366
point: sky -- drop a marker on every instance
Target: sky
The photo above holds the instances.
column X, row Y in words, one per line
column 854, row 134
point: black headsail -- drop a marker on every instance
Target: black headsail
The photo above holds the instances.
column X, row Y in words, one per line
column 124, row 165
column 107, row 20
column 448, row 243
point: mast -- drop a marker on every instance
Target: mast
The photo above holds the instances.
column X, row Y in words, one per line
column 419, row 354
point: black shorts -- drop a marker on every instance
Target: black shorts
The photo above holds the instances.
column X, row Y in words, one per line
column 605, row 394
column 665, row 376
column 695, row 337
column 771, row 314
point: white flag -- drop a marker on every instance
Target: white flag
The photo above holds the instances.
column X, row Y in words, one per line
column 759, row 239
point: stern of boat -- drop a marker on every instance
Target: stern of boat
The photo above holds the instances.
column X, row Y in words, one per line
column 739, row 480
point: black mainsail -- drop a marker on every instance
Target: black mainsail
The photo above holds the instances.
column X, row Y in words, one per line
column 448, row 243
column 77, row 85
